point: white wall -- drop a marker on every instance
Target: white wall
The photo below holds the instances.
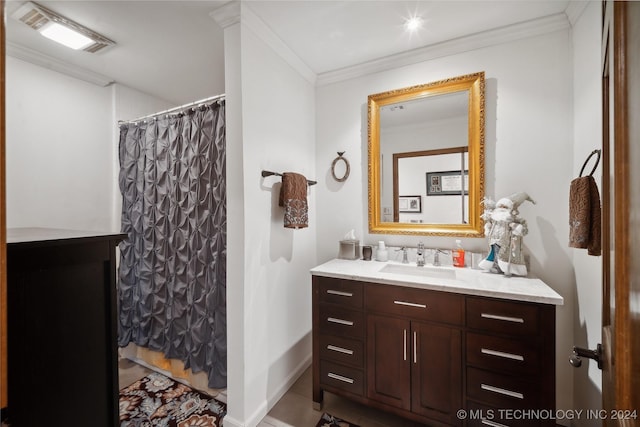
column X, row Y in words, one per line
column 269, row 286
column 528, row 148
column 587, row 130
column 412, row 180
column 62, row 148
column 59, row 150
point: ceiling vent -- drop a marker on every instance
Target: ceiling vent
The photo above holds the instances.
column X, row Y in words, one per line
column 51, row 25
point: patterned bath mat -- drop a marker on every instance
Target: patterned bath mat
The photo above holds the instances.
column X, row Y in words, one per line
column 158, row 401
column 330, row 421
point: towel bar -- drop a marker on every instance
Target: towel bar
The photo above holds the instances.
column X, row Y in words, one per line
column 594, row 152
column 269, row 173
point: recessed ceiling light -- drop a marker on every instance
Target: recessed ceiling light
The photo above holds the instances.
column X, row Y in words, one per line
column 60, row 29
column 413, row 23
column 65, row 35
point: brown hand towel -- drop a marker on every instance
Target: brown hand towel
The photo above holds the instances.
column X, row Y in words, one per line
column 584, row 215
column 293, row 196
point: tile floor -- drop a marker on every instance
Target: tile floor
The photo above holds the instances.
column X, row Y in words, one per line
column 295, row 408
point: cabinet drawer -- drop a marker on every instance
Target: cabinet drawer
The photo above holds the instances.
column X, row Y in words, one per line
column 342, row 350
column 343, row 292
column 342, row 377
column 502, row 354
column 503, row 317
column 502, row 391
column 417, row 304
column 342, row 322
column 487, row 416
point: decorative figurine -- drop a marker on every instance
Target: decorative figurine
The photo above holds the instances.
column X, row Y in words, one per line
column 505, row 230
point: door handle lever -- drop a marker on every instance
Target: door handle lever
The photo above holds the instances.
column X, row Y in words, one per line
column 579, row 352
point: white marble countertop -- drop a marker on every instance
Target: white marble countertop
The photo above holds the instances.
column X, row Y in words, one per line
column 448, row 279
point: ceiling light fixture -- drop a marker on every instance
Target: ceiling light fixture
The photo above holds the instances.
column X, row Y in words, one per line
column 414, row 23
column 60, row 29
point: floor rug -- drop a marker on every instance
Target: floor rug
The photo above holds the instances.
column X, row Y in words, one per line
column 330, row 421
column 159, row 401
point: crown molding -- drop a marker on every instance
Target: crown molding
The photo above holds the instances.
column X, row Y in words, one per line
column 574, row 10
column 236, row 12
column 262, row 30
column 488, row 38
column 227, row 14
column 34, row 57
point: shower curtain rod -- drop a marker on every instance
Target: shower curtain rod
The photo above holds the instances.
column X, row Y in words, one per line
column 174, row 109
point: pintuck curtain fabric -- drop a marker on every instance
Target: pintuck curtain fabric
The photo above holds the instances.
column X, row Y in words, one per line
column 172, row 274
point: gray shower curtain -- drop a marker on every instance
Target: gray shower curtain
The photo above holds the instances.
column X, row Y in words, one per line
column 172, row 275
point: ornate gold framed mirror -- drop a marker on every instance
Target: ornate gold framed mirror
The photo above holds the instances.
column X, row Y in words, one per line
column 426, row 158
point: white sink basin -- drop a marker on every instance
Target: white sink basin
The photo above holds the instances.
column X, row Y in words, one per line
column 413, row 270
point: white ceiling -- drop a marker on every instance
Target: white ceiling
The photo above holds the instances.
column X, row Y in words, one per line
column 329, row 35
column 421, row 110
column 175, row 50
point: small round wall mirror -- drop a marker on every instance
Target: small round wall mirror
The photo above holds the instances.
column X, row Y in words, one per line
column 340, row 168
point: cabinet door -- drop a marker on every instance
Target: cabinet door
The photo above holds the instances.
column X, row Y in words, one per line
column 60, row 299
column 388, row 361
column 436, row 365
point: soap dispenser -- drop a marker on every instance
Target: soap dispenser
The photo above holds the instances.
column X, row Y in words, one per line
column 458, row 254
column 382, row 254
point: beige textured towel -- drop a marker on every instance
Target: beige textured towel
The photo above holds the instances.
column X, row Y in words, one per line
column 584, row 215
column 293, row 196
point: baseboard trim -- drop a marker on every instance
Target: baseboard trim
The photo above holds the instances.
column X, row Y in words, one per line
column 274, row 394
column 289, row 381
column 275, row 422
column 227, row 421
column 271, row 401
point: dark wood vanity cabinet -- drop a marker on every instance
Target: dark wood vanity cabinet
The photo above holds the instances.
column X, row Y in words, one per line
column 414, row 343
column 62, row 348
column 426, row 354
column 510, row 362
column 339, row 338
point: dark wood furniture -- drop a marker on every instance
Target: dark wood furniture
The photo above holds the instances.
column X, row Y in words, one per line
column 425, row 355
column 62, row 349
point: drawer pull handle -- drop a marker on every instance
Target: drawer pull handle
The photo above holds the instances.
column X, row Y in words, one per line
column 502, row 354
column 340, row 378
column 503, row 318
column 492, row 424
column 415, row 347
column 404, row 337
column 339, row 349
column 340, row 321
column 502, row 391
column 339, row 293
column 410, row 304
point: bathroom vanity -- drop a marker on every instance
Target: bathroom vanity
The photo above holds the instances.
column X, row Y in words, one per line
column 443, row 346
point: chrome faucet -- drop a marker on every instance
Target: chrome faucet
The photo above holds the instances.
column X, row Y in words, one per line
column 436, row 257
column 405, row 259
column 420, row 255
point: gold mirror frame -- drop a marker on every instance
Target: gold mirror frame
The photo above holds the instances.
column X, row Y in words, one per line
column 474, row 84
